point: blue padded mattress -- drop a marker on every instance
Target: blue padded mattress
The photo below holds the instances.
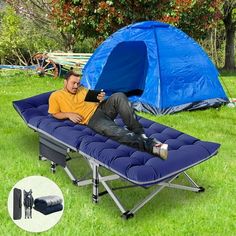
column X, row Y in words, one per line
column 138, row 167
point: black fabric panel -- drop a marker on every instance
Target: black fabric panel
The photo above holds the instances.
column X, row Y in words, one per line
column 17, row 204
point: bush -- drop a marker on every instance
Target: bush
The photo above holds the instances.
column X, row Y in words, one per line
column 20, row 39
column 85, row 46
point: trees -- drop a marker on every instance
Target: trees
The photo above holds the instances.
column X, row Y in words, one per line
column 199, row 17
column 19, row 39
column 10, row 39
column 39, row 12
column 101, row 18
column 229, row 19
column 71, row 21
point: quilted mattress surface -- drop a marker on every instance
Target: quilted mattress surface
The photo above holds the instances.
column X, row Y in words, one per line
column 139, row 167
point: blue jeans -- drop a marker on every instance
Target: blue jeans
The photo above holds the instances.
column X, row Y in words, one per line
column 103, row 123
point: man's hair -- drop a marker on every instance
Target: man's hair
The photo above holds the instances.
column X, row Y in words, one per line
column 70, row 73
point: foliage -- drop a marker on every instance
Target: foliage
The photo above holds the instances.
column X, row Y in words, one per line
column 214, row 44
column 38, row 12
column 19, row 39
column 86, row 45
column 202, row 16
column 220, row 42
column 101, row 18
column 10, row 37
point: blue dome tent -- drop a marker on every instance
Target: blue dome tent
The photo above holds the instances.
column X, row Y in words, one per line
column 159, row 67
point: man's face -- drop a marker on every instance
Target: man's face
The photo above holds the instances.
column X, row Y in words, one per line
column 72, row 84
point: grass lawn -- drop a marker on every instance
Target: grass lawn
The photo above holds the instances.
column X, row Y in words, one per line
column 172, row 212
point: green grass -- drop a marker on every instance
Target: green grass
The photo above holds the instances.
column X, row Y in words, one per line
column 172, row 212
column 229, row 83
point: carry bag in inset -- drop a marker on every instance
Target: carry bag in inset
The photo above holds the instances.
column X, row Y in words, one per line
column 17, row 204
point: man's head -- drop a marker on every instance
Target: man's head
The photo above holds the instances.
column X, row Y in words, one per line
column 72, row 82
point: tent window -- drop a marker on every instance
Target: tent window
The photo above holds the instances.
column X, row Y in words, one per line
column 125, row 69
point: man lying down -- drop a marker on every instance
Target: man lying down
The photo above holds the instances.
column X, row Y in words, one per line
column 76, row 103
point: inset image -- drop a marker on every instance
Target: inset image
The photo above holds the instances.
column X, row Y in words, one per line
column 35, row 204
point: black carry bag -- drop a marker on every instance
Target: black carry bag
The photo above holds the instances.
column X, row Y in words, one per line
column 17, row 204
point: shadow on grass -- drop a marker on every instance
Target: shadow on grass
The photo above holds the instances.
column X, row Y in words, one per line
column 227, row 73
column 164, row 202
column 28, row 142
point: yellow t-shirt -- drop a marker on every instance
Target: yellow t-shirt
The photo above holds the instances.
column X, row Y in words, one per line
column 63, row 101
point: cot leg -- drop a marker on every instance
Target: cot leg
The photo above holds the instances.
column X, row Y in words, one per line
column 42, row 158
column 53, row 167
column 150, row 196
column 200, row 189
column 127, row 215
column 95, row 183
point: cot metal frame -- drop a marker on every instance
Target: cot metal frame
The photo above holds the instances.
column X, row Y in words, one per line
column 58, row 153
column 98, row 178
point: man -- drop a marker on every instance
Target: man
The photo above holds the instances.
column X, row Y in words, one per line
column 69, row 103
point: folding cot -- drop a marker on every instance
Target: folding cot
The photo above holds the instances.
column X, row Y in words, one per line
column 57, row 138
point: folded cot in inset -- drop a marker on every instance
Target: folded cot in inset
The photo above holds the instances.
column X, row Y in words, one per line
column 57, row 138
column 48, row 204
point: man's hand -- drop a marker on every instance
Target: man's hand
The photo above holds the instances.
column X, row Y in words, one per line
column 74, row 117
column 101, row 96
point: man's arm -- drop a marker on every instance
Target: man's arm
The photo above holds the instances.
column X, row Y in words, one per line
column 55, row 111
column 74, row 117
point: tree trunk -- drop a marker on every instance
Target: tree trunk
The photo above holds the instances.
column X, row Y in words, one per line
column 230, row 28
column 229, row 50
